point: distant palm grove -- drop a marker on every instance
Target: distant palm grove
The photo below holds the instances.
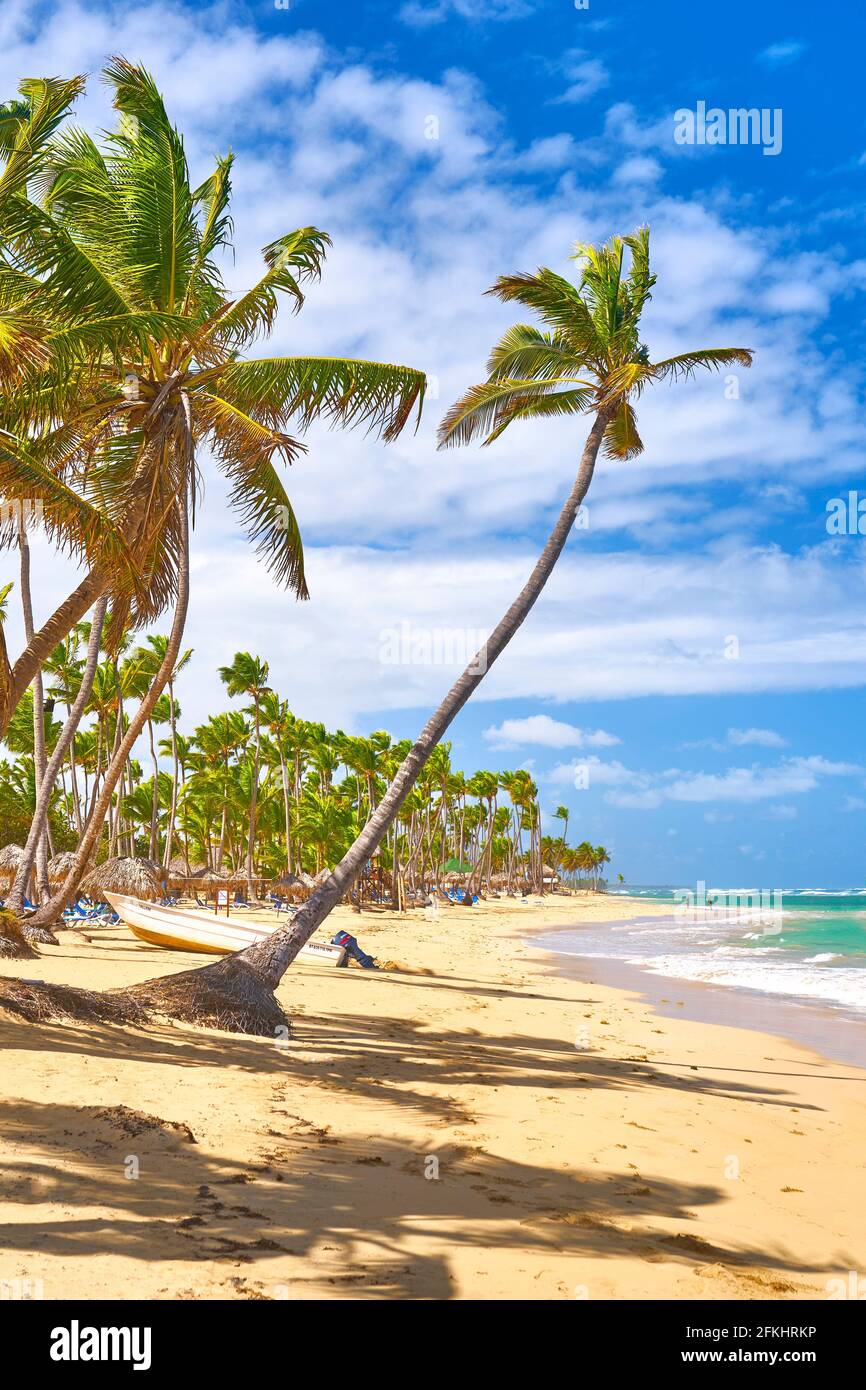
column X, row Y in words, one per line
column 255, row 792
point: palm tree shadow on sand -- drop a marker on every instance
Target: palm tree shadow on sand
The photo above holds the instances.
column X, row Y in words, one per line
column 354, row 1204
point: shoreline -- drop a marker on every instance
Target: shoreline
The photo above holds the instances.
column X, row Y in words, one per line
column 467, row 1123
column 837, row 1034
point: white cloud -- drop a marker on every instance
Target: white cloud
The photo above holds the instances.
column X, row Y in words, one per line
column 550, row 733
column 423, row 13
column 639, row 169
column 638, row 789
column 778, row 54
column 586, row 77
column 764, row 738
column 747, row 784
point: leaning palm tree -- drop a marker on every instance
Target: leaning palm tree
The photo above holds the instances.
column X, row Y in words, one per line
column 588, row 358
column 123, row 247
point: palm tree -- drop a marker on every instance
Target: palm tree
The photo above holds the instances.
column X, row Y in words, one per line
column 247, row 675
column 280, row 723
column 120, row 255
column 64, row 742
column 124, row 236
column 589, row 358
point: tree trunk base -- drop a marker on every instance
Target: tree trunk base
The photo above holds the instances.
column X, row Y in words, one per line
column 227, row 995
column 14, row 944
column 42, row 936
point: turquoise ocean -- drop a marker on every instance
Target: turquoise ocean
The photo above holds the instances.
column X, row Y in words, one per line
column 805, row 944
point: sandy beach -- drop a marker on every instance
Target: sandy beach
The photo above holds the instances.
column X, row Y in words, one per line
column 474, row 1126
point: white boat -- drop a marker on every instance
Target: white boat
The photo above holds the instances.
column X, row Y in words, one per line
column 182, row 929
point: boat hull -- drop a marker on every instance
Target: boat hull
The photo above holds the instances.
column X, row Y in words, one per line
column 175, row 929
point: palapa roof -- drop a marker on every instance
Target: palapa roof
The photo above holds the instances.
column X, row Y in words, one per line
column 137, row 878
column 11, row 856
column 60, row 864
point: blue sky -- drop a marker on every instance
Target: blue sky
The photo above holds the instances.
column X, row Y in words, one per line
column 699, row 655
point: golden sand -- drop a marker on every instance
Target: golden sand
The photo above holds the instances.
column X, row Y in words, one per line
column 477, row 1126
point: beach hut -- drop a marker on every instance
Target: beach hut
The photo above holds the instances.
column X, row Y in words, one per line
column 10, row 858
column 134, row 878
column 292, row 888
column 59, row 866
column 178, row 877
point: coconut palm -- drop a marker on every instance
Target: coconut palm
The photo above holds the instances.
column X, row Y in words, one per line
column 247, row 675
column 588, row 358
column 127, row 246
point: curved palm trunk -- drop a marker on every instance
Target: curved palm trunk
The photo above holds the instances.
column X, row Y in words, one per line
column 52, row 911
column 154, row 799
column 14, row 679
column 172, row 814
column 254, row 799
column 284, row 774
column 46, row 786
column 235, row 990
column 38, row 713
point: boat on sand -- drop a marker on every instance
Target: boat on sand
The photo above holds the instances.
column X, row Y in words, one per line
column 181, row 929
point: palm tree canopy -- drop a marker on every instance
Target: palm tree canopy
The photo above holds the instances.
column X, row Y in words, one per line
column 588, row 356
column 108, row 258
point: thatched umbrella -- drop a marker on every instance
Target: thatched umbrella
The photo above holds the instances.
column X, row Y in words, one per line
column 10, row 858
column 137, row 878
column 59, row 866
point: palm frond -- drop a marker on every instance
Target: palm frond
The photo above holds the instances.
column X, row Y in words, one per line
column 71, row 521
column 559, row 303
column 261, row 502
column 234, row 431
column 291, row 260
column 489, row 408
column 150, row 171
column 526, row 352
column 621, row 439
column 341, row 390
column 713, row 359
column 28, row 125
column 22, row 344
